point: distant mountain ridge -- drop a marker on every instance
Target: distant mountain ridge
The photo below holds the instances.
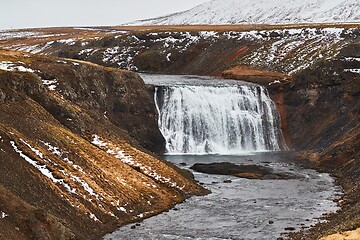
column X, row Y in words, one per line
column 263, row 12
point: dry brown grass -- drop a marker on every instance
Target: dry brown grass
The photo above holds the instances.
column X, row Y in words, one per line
column 350, row 235
column 236, row 27
column 261, row 76
column 31, row 113
column 84, row 33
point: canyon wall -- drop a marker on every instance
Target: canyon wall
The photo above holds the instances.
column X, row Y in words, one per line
column 323, row 117
column 312, row 73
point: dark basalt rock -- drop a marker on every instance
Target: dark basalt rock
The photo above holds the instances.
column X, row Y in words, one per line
column 322, row 106
column 242, row 171
column 289, row 229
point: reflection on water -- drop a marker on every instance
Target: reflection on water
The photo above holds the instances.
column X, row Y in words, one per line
column 242, row 208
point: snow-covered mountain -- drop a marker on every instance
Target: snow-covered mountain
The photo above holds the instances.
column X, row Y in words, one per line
column 263, row 12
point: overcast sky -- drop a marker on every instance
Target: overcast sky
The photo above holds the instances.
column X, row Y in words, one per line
column 49, row 13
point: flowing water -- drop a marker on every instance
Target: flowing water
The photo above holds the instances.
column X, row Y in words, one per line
column 242, row 208
column 230, row 117
column 230, row 121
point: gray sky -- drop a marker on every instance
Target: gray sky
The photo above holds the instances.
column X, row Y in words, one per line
column 49, row 13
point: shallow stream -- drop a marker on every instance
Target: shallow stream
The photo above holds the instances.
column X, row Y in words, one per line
column 240, row 208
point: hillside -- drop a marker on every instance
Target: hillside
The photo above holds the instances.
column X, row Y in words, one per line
column 322, row 105
column 217, row 12
column 71, row 161
column 286, row 50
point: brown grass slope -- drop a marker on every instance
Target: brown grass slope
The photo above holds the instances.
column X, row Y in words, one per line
column 55, row 183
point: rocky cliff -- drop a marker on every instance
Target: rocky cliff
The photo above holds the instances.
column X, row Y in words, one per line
column 323, row 116
column 72, row 157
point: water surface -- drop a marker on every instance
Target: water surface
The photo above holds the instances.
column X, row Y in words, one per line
column 242, row 208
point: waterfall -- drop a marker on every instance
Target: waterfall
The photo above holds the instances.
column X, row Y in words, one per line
column 218, row 119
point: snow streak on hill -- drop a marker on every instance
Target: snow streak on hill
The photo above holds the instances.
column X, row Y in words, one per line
column 263, row 12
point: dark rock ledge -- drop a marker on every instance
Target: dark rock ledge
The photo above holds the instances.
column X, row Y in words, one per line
column 242, row 171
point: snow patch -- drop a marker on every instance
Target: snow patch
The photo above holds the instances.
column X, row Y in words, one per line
column 53, row 150
column 42, row 168
column 353, row 70
column 3, row 215
column 86, row 187
column 69, row 41
column 57, row 152
column 51, row 84
column 93, row 217
column 274, row 82
column 37, row 48
column 168, row 57
column 96, row 141
column 122, row 209
column 10, row 34
column 122, row 56
column 10, row 66
column 86, row 51
column 349, row 59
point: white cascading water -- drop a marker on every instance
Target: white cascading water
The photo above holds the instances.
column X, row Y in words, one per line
column 218, row 119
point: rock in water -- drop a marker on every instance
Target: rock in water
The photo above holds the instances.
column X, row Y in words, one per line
column 242, row 171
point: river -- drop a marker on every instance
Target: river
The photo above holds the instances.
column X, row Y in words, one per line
column 207, row 120
column 242, row 208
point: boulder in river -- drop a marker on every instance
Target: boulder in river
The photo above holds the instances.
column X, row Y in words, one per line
column 242, row 171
